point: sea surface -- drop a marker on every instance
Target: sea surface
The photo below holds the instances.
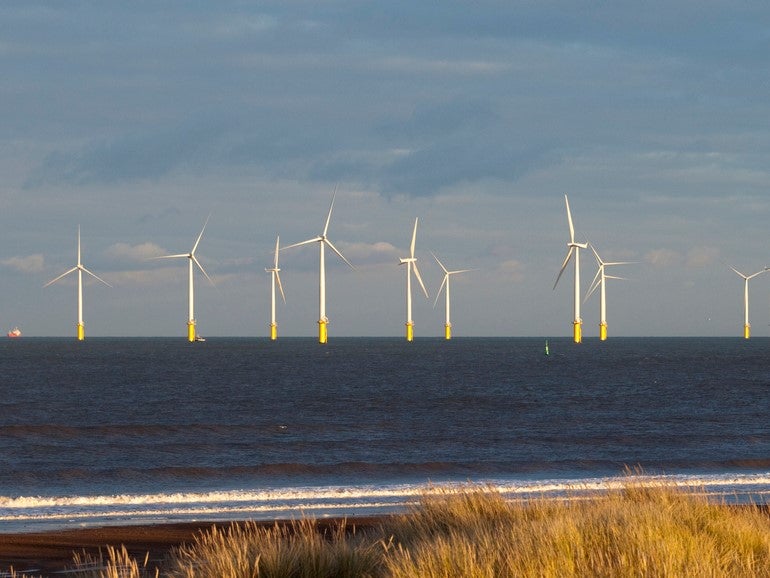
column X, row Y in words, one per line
column 136, row 430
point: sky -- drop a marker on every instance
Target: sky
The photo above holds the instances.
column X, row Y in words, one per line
column 136, row 121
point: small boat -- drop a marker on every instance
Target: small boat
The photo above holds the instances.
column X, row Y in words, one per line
column 199, row 338
column 15, row 332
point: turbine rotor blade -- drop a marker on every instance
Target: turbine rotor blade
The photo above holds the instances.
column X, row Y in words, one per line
column 417, row 274
column 278, row 279
column 195, row 260
column 341, row 256
column 329, row 215
column 440, row 264
column 314, row 240
column 441, row 288
column 563, row 266
column 277, row 241
column 95, row 276
column 414, row 238
column 569, row 220
column 179, row 256
column 594, row 286
column 52, row 281
column 598, row 259
column 198, row 240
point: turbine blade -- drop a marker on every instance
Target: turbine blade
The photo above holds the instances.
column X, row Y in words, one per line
column 278, row 279
column 738, row 272
column 620, row 263
column 598, row 259
column 414, row 238
column 417, row 274
column 195, row 260
column 614, row 277
column 440, row 264
column 569, row 220
column 594, row 286
column 440, row 289
column 277, row 241
column 329, row 216
column 78, row 244
column 341, row 256
column 314, row 240
column 95, row 276
column 596, row 278
column 563, row 266
column 180, row 255
column 757, row 273
column 198, row 240
column 52, row 281
column 460, row 271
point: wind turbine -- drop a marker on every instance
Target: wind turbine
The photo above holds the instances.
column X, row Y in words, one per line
column 323, row 241
column 191, row 258
column 573, row 248
column 445, row 283
column 275, row 278
column 746, row 324
column 411, row 265
column 599, row 283
column 81, row 328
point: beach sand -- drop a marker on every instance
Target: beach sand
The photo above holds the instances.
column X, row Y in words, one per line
column 49, row 553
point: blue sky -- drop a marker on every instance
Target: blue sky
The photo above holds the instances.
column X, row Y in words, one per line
column 136, row 121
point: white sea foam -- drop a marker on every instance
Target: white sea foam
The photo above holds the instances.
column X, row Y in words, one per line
column 23, row 513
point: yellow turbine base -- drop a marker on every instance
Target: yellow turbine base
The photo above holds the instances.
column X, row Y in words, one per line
column 746, row 331
column 273, row 331
column 410, row 331
column 323, row 335
column 448, row 331
column 603, row 331
column 191, row 331
column 81, row 332
column 577, row 331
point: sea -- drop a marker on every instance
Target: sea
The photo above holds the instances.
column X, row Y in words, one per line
column 155, row 430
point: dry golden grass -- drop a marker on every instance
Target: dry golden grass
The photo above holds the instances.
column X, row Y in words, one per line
column 639, row 531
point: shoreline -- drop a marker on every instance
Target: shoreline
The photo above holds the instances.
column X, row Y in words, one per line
column 50, row 553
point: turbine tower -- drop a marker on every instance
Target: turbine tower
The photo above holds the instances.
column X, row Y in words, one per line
column 599, row 282
column 445, row 283
column 191, row 258
column 81, row 328
column 411, row 265
column 573, row 248
column 746, row 324
column 274, row 278
column 323, row 241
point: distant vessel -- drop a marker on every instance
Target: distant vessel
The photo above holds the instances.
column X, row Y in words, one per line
column 199, row 338
column 15, row 332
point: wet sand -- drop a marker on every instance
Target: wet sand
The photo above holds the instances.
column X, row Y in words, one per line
column 50, row 553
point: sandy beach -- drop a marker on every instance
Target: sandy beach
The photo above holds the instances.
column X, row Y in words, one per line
column 50, row 553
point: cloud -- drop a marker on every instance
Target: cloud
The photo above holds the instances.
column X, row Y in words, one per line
column 29, row 264
column 663, row 257
column 141, row 252
column 701, row 257
column 512, row 269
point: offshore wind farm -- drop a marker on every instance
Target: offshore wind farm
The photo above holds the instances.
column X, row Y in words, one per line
column 598, row 283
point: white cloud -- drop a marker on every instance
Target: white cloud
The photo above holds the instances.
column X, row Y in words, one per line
column 141, row 252
column 29, row 264
column 663, row 257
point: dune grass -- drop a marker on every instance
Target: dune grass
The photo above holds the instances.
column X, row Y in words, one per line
column 641, row 530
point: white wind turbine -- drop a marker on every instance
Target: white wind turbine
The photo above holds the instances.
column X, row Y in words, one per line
column 81, row 329
column 746, row 325
column 573, row 248
column 599, row 283
column 445, row 283
column 274, row 278
column 411, row 265
column 323, row 241
column 191, row 258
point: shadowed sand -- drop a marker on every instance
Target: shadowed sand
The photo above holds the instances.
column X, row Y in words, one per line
column 49, row 553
